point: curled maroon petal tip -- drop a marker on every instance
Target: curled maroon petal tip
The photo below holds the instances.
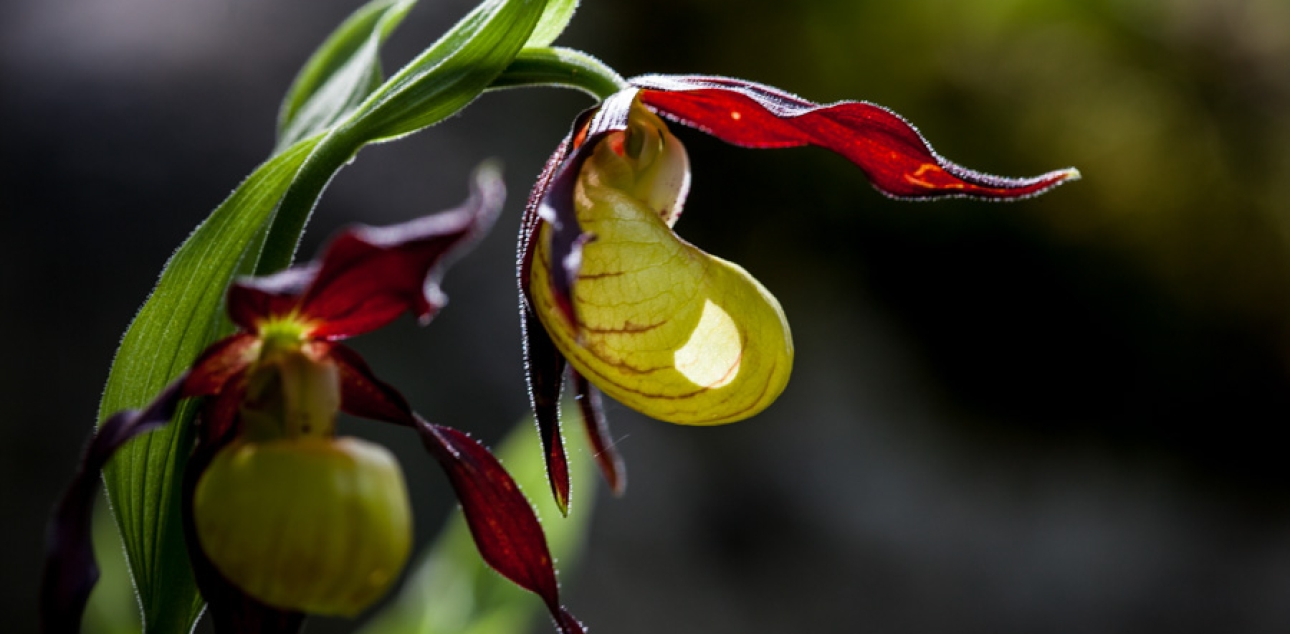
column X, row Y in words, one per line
column 503, row 524
column 568, row 624
column 544, row 372
column 593, row 418
column 887, row 148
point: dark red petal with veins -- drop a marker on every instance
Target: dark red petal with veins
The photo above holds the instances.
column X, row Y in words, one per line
column 505, row 529
column 371, row 275
column 255, row 299
column 364, row 395
column 890, row 151
column 221, row 361
column 593, row 418
column 544, row 370
column 552, row 199
column 70, row 569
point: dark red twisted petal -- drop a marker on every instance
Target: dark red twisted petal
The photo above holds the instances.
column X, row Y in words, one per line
column 70, row 569
column 593, row 419
column 220, row 362
column 364, row 395
column 890, row 151
column 552, row 200
column 505, row 529
column 531, row 222
column 544, row 369
column 371, row 275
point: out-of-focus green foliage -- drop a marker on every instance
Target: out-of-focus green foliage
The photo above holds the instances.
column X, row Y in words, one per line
column 112, row 608
column 450, row 590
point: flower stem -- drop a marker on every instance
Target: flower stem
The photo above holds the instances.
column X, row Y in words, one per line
column 297, row 204
column 534, row 67
column 563, row 67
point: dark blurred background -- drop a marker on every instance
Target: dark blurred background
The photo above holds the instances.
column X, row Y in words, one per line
column 1058, row 415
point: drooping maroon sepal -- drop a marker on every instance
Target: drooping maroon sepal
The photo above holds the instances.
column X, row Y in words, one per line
column 593, row 419
column 219, row 363
column 890, row 151
column 505, row 529
column 544, row 370
column 364, row 395
column 70, row 569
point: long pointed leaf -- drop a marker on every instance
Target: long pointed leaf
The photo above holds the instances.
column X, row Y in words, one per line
column 451, row 73
column 180, row 318
column 554, row 20
column 341, row 73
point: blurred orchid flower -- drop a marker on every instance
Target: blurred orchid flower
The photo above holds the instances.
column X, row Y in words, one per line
column 665, row 328
column 281, row 516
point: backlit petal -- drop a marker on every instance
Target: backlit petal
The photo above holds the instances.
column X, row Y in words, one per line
column 890, row 151
column 505, row 529
column 370, row 275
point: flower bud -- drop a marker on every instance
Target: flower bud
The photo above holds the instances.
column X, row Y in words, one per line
column 319, row 525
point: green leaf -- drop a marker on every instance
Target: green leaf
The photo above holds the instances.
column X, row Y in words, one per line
column 554, row 20
column 441, row 81
column 341, row 73
column 180, row 318
column 451, row 73
column 450, row 590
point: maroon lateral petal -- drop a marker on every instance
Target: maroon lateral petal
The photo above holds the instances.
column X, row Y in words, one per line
column 219, row 415
column 593, row 419
column 221, row 361
column 364, row 395
column 531, row 222
column 370, row 275
column 890, row 151
column 552, row 199
column 70, row 569
column 544, row 371
column 252, row 300
column 231, row 610
column 506, row 531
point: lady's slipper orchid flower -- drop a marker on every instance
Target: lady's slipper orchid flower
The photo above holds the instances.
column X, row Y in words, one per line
column 655, row 322
column 282, row 517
